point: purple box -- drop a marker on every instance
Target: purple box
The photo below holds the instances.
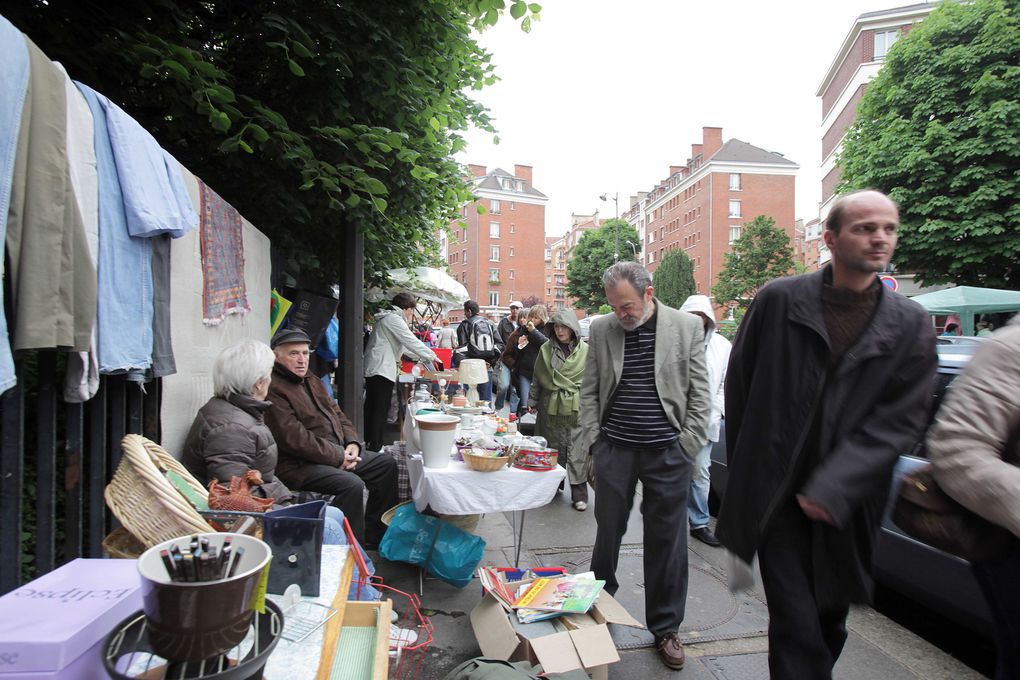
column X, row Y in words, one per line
column 54, row 626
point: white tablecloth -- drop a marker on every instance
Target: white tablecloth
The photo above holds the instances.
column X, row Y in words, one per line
column 458, row 490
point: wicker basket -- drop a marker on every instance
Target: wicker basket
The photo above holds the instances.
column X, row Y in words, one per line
column 145, row 501
column 485, row 463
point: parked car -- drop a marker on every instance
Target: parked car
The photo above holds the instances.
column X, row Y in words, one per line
column 585, row 323
column 938, row 580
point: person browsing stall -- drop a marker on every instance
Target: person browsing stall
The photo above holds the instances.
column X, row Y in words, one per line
column 319, row 448
column 391, row 338
column 644, row 416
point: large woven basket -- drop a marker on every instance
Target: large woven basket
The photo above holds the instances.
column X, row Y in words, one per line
column 485, row 463
column 145, row 501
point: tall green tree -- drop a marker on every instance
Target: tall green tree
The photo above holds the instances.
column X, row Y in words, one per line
column 593, row 255
column 937, row 131
column 762, row 253
column 674, row 279
column 311, row 117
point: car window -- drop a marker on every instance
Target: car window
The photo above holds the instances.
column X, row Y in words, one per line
column 940, row 386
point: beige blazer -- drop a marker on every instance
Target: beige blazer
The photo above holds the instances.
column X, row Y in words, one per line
column 681, row 377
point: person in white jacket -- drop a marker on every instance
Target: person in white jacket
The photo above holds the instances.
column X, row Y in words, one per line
column 391, row 338
column 717, row 356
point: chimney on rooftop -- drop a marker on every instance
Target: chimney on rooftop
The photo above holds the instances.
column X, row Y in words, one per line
column 477, row 170
column 711, row 139
column 523, row 172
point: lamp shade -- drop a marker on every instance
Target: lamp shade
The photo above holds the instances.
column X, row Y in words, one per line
column 472, row 372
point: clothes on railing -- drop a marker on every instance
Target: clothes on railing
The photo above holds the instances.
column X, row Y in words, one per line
column 14, row 84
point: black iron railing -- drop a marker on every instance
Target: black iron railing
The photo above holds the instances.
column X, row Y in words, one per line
column 55, row 460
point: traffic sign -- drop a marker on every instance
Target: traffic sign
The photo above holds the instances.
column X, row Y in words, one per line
column 889, row 282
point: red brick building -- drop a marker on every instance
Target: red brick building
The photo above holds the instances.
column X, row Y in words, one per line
column 555, row 273
column 858, row 60
column 499, row 256
column 701, row 206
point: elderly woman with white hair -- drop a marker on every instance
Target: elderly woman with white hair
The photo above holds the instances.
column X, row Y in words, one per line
column 229, row 436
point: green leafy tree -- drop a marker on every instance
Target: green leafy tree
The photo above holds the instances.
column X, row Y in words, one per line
column 937, row 131
column 674, row 279
column 312, row 117
column 762, row 253
column 592, row 256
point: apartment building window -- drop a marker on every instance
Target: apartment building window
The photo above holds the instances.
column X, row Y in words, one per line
column 507, row 183
column 548, row 291
column 494, row 253
column 519, row 185
column 494, row 298
column 734, row 208
column 651, row 256
column 883, row 41
column 734, row 233
column 513, row 205
column 511, row 274
column 548, row 278
column 734, row 181
column 494, row 206
column 493, row 275
column 493, row 229
column 463, row 235
column 513, row 228
column 463, row 256
column 511, row 251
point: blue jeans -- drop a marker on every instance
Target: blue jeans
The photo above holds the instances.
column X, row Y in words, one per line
column 502, row 385
column 697, row 500
column 523, row 389
column 333, row 533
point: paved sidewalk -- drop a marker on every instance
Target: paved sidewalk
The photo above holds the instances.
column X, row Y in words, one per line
column 724, row 633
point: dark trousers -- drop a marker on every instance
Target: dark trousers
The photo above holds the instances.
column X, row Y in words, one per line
column 665, row 476
column 378, row 392
column 804, row 639
column 376, row 472
column 1001, row 588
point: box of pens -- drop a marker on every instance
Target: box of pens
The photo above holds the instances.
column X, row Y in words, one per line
column 199, row 593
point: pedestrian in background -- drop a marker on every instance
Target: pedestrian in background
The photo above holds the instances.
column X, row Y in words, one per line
column 447, row 336
column 717, row 355
column 974, row 446
column 391, row 338
column 522, row 350
column 555, row 398
column 644, row 415
column 829, row 381
column 504, row 385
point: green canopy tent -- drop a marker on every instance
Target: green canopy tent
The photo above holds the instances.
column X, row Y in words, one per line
column 967, row 301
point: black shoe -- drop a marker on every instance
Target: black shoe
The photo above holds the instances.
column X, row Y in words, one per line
column 705, row 535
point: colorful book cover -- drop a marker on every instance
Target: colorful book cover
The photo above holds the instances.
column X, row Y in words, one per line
column 572, row 594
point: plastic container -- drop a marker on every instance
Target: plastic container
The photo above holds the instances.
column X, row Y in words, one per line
column 437, row 432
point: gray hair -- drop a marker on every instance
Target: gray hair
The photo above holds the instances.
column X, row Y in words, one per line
column 539, row 312
column 629, row 271
column 240, row 366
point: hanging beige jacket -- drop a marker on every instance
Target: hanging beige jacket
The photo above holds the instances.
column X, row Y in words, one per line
column 53, row 281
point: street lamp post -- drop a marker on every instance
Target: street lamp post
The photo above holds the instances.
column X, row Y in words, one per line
column 632, row 247
column 616, row 238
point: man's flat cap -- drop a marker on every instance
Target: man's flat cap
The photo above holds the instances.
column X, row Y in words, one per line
column 288, row 335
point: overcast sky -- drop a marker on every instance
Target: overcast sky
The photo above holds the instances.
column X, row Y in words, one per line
column 603, row 96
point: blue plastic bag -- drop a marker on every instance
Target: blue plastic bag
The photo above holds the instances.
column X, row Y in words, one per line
column 329, row 346
column 448, row 553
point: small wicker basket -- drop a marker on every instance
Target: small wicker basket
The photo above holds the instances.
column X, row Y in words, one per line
column 145, row 501
column 485, row 463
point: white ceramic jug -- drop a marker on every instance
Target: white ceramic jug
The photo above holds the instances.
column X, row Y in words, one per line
column 437, row 432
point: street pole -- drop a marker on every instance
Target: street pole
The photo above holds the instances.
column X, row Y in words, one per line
column 616, row 227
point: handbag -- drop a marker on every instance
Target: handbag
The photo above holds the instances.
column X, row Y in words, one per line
column 926, row 512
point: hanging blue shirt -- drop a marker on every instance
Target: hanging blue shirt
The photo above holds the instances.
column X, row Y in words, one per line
column 13, row 85
column 125, row 264
column 155, row 198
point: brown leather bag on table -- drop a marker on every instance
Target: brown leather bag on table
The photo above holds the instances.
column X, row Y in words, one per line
column 237, row 496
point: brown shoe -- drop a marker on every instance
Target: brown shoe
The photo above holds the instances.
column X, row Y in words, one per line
column 671, row 651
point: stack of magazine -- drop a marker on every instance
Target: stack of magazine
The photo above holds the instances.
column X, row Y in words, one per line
column 544, row 598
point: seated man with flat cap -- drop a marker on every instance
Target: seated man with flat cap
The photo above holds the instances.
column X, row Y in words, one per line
column 319, row 448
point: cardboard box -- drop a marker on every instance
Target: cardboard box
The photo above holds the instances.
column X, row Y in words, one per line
column 562, row 644
column 54, row 627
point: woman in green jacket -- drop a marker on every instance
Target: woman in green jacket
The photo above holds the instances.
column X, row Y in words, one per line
column 555, row 398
